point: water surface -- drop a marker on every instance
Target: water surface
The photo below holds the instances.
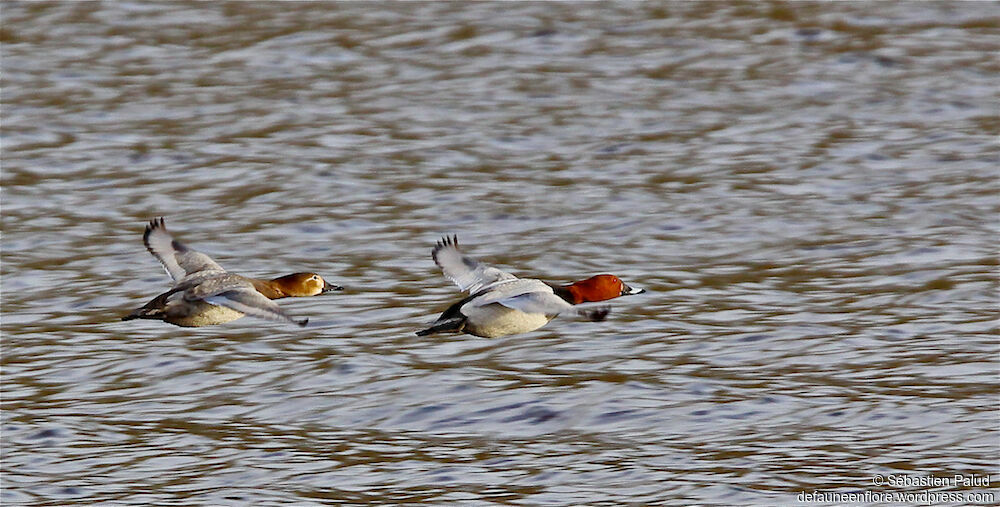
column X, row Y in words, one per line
column 809, row 193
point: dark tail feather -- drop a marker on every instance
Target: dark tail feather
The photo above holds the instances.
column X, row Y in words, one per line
column 445, row 326
column 154, row 309
column 145, row 313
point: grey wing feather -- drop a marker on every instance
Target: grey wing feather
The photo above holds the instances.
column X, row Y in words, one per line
column 204, row 286
column 469, row 274
column 251, row 302
column 513, row 288
column 177, row 259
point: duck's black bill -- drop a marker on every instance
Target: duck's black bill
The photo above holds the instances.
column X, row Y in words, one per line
column 327, row 287
column 628, row 291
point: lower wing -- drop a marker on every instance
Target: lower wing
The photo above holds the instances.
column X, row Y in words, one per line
column 251, row 302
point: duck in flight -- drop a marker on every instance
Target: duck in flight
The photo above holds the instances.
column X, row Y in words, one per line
column 205, row 294
column 501, row 304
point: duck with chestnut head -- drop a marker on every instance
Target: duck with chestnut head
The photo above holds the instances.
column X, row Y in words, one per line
column 501, row 304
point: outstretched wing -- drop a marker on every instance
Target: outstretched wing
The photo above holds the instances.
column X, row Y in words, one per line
column 251, row 302
column 178, row 259
column 469, row 274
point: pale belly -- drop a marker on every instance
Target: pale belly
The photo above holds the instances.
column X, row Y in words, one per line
column 199, row 313
column 496, row 320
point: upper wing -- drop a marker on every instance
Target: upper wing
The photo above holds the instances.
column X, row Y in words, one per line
column 469, row 274
column 178, row 259
column 251, row 302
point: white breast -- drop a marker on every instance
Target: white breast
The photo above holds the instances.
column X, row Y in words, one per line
column 199, row 313
column 495, row 320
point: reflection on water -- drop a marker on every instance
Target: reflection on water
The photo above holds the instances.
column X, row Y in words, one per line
column 807, row 191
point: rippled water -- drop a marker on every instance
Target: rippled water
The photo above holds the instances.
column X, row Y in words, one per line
column 809, row 193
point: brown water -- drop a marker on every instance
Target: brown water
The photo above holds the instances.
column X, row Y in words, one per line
column 809, row 193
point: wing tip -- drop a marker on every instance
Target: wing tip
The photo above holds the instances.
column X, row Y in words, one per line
column 154, row 225
column 443, row 243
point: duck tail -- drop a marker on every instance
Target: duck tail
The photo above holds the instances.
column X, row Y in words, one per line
column 155, row 309
column 146, row 313
column 445, row 326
